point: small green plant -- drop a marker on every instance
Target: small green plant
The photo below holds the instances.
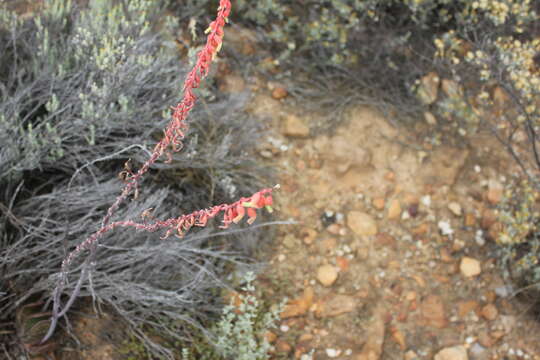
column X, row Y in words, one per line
column 133, row 349
column 241, row 331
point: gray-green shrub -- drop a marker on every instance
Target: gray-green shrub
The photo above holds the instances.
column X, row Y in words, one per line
column 82, row 90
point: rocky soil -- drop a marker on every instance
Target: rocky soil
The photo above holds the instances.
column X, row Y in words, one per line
column 393, row 254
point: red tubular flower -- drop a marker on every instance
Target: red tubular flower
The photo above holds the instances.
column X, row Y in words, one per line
column 201, row 220
column 261, row 202
column 268, row 201
column 240, row 210
column 252, row 213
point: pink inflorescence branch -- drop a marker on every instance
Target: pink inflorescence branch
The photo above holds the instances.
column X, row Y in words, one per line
column 174, row 134
column 172, row 139
column 175, row 131
column 232, row 213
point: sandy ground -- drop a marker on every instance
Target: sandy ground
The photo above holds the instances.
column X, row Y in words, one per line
column 393, row 256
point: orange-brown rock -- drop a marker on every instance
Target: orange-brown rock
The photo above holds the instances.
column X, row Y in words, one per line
column 433, row 312
column 490, row 312
column 279, row 93
column 398, row 337
column 300, row 305
column 283, row 347
column 379, row 203
column 335, row 305
column 385, row 240
column 465, row 307
column 394, row 210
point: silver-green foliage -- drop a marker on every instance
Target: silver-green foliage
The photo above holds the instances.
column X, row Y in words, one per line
column 239, row 333
column 81, row 77
column 241, row 330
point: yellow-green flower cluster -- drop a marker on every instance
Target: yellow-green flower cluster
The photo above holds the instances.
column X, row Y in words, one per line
column 519, row 238
column 518, row 59
column 504, row 59
column 100, row 34
column 500, row 11
column 518, row 213
column 449, row 46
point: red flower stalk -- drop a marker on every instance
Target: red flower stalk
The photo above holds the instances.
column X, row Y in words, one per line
column 175, row 131
column 172, row 141
column 232, row 213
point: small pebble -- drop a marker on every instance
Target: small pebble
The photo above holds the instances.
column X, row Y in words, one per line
column 477, row 349
column 410, row 355
column 284, row 328
column 445, row 228
column 327, row 275
column 455, row 208
column 479, row 238
column 267, row 154
column 470, row 267
column 503, row 291
column 332, row 353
